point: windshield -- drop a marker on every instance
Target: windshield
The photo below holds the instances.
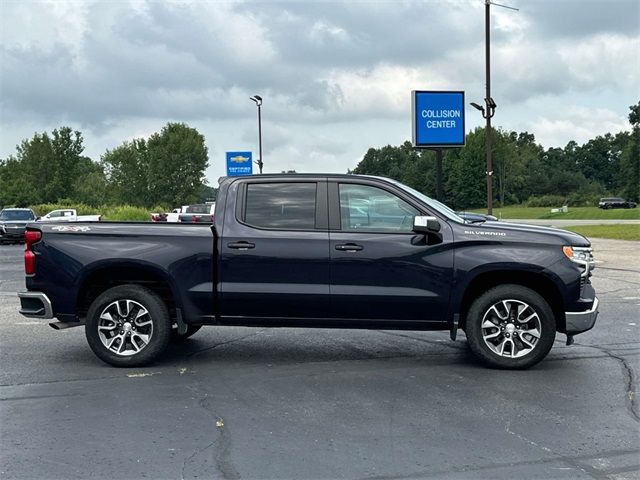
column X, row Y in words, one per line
column 435, row 204
column 12, row 215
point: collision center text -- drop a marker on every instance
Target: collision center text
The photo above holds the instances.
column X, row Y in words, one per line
column 441, row 118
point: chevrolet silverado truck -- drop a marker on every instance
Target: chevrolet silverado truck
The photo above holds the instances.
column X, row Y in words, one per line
column 326, row 251
column 13, row 223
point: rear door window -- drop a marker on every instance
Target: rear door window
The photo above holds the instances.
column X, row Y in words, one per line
column 281, row 206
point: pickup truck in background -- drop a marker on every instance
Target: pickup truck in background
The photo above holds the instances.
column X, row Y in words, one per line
column 68, row 215
column 327, row 251
column 13, row 223
column 615, row 202
column 200, row 213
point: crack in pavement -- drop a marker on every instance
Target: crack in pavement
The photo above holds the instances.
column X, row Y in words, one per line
column 629, row 377
column 223, row 443
column 222, row 452
column 192, row 456
column 221, row 344
column 591, row 472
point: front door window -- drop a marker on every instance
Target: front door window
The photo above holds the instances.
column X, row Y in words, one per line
column 370, row 209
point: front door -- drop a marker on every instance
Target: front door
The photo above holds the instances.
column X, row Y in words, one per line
column 380, row 269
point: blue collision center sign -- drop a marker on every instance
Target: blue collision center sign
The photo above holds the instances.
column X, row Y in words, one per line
column 438, row 119
column 239, row 163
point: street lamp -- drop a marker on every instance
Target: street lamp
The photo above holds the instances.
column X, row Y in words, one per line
column 258, row 100
column 490, row 109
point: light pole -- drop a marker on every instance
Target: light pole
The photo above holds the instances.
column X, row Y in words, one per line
column 258, row 100
column 490, row 105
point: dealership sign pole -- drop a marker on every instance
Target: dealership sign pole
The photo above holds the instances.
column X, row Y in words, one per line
column 437, row 123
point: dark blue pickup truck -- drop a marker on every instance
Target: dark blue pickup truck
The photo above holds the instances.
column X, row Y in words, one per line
column 341, row 251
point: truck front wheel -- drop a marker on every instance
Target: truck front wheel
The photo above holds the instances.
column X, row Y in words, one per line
column 511, row 327
column 128, row 326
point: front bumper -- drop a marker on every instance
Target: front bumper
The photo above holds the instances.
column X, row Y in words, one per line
column 578, row 322
column 35, row 305
column 12, row 234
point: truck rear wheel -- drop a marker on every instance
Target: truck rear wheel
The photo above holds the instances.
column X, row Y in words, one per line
column 510, row 327
column 128, row 326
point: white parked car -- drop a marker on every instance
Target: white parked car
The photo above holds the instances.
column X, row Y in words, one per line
column 68, row 215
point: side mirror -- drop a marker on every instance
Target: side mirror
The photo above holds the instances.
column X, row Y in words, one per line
column 426, row 225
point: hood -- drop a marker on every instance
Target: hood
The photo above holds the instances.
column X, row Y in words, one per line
column 532, row 232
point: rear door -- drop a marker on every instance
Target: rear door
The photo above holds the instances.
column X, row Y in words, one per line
column 380, row 269
column 274, row 250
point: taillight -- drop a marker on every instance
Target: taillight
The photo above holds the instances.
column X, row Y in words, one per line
column 30, row 237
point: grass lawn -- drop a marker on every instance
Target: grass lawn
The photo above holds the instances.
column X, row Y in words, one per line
column 574, row 213
column 620, row 232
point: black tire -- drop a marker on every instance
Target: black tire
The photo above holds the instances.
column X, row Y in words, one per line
column 157, row 313
column 514, row 295
column 191, row 330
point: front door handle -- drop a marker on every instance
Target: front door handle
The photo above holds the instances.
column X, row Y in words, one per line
column 349, row 247
column 242, row 245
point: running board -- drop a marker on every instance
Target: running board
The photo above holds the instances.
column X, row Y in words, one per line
column 64, row 325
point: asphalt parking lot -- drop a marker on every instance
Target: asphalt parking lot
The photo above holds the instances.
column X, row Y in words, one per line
column 283, row 403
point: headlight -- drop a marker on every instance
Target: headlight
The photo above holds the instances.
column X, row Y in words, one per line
column 583, row 256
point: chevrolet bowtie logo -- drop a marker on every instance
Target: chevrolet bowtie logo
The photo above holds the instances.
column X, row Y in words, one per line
column 239, row 159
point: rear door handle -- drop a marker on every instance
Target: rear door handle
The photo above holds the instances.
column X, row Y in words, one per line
column 349, row 247
column 243, row 245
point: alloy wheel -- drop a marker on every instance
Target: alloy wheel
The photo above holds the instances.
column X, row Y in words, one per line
column 511, row 328
column 125, row 327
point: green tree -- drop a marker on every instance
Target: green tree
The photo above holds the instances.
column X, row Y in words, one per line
column 127, row 171
column 66, row 163
column 45, row 168
column 90, row 186
column 629, row 177
column 15, row 188
column 466, row 179
column 403, row 163
column 207, row 194
column 177, row 159
column 166, row 169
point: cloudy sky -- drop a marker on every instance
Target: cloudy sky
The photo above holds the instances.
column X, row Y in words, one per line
column 336, row 77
